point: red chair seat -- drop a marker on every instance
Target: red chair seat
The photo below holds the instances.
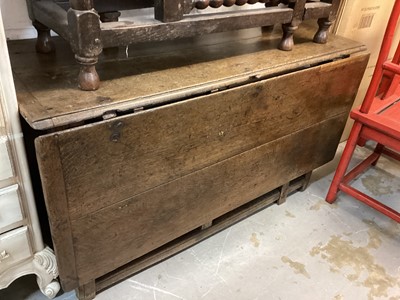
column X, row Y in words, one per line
column 386, row 121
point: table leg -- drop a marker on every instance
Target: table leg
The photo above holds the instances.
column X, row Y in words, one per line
column 86, row 291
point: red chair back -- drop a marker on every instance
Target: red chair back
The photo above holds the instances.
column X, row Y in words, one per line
column 383, row 57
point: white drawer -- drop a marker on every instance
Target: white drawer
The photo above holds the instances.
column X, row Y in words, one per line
column 10, row 208
column 5, row 159
column 14, row 247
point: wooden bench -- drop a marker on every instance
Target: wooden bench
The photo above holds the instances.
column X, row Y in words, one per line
column 92, row 25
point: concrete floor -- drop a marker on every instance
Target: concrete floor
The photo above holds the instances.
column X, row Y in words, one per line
column 303, row 249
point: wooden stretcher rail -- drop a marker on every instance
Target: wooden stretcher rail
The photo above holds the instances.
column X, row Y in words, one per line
column 113, row 34
column 199, row 234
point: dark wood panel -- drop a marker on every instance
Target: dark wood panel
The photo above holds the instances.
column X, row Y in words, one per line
column 315, row 10
column 108, row 162
column 196, row 236
column 51, row 174
column 142, row 223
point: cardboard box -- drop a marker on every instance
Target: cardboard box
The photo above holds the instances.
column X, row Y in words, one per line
column 365, row 21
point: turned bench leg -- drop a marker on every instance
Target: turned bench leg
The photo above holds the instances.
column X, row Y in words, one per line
column 287, row 42
column 84, row 26
column 88, row 79
column 44, row 44
column 321, row 37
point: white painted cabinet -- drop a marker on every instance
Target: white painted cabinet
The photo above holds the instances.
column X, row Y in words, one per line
column 21, row 247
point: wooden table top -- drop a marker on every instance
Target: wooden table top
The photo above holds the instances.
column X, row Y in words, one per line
column 149, row 74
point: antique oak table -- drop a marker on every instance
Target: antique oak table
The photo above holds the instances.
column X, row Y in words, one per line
column 182, row 140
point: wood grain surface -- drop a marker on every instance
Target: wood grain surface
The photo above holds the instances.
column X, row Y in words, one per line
column 151, row 74
column 51, row 171
column 143, row 150
column 115, row 235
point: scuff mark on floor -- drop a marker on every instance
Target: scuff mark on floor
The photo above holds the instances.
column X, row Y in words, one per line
column 298, row 267
column 374, row 239
column 343, row 254
column 289, row 214
column 254, row 239
column 152, row 288
column 317, row 206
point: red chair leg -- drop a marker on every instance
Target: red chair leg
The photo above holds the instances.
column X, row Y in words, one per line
column 344, row 162
column 378, row 149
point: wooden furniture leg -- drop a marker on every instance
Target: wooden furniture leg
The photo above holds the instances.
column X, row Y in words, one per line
column 287, row 43
column 284, row 189
column 306, row 181
column 283, row 194
column 321, row 37
column 378, row 150
column 169, row 10
column 82, row 18
column 87, row 291
column 44, row 44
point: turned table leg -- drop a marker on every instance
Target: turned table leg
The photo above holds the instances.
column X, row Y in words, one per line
column 84, row 26
column 44, row 44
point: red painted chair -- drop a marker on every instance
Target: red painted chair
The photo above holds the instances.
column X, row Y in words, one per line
column 377, row 119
